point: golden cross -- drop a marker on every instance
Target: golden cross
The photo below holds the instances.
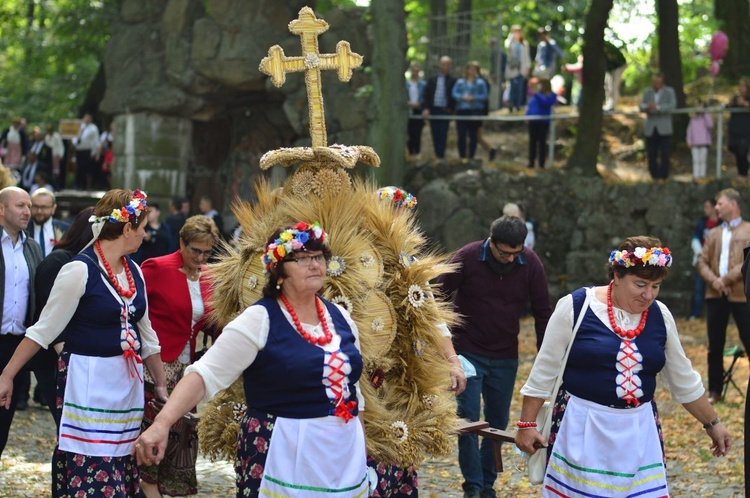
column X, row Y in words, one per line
column 276, row 65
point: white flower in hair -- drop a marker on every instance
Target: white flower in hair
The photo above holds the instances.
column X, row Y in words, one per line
column 639, row 252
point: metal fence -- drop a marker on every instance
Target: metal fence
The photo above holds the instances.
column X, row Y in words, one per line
column 554, row 118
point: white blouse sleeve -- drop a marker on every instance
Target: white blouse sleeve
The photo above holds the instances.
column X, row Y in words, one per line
column 234, row 350
column 444, row 330
column 683, row 382
column 355, row 332
column 69, row 286
column 149, row 339
column 557, row 336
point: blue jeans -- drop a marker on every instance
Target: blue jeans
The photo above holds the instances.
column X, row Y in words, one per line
column 494, row 382
column 517, row 91
column 699, row 294
column 439, row 130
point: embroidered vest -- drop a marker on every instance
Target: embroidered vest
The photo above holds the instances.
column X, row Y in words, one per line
column 592, row 373
column 286, row 377
column 94, row 329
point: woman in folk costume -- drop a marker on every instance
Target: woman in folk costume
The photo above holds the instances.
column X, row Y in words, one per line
column 99, row 303
column 605, row 438
column 378, row 272
column 298, row 355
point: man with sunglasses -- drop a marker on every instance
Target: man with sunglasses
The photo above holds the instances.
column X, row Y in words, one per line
column 493, row 281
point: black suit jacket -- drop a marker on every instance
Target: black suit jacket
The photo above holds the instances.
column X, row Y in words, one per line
column 429, row 93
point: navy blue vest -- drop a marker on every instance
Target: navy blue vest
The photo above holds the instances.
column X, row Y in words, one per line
column 286, row 377
column 95, row 327
column 591, row 370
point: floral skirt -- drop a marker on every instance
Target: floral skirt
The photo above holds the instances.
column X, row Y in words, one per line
column 558, row 411
column 252, row 449
column 175, row 475
column 81, row 476
column 393, row 481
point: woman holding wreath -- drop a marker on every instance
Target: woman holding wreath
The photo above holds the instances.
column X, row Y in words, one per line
column 605, row 435
column 178, row 294
column 98, row 302
column 300, row 361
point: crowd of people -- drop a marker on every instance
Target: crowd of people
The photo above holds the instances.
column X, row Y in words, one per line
column 39, row 157
column 107, row 312
column 77, row 305
column 530, row 83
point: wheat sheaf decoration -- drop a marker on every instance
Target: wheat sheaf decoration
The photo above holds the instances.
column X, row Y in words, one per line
column 380, row 272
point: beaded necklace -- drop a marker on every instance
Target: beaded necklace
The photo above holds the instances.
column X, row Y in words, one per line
column 319, row 341
column 127, row 294
column 625, row 334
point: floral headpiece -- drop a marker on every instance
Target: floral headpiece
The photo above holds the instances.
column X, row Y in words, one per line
column 399, row 197
column 135, row 207
column 292, row 240
column 654, row 256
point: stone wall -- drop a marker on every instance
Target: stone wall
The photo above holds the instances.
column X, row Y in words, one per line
column 579, row 219
column 194, row 65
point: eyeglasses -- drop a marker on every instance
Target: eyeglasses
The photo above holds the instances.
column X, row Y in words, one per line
column 41, row 208
column 197, row 252
column 507, row 253
column 306, row 260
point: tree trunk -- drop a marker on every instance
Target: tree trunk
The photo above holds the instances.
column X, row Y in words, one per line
column 388, row 134
column 670, row 62
column 735, row 18
column 586, row 149
column 438, row 31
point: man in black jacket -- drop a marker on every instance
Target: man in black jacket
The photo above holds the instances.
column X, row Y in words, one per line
column 438, row 101
column 20, row 257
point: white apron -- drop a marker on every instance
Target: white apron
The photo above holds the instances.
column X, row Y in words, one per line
column 103, row 406
column 606, row 452
column 316, row 458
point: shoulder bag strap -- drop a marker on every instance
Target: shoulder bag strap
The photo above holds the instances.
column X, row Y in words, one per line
column 564, row 362
column 545, row 429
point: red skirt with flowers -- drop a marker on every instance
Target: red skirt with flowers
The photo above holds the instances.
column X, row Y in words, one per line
column 82, row 476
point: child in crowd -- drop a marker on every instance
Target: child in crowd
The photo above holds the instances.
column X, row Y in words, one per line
column 699, row 140
column 541, row 101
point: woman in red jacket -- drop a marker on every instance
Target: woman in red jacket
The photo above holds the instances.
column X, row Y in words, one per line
column 178, row 295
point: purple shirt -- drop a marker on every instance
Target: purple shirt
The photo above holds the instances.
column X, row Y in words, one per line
column 491, row 305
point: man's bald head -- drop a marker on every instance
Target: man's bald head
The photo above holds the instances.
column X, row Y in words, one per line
column 444, row 66
column 15, row 210
column 8, row 193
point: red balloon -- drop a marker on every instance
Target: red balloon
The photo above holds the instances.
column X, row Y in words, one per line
column 715, row 65
column 718, row 47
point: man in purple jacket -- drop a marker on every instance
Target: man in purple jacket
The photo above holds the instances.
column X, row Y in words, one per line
column 494, row 280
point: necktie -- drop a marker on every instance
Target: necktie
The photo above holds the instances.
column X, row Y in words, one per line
column 41, row 240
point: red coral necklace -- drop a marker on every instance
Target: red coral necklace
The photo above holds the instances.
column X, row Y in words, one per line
column 625, row 334
column 127, row 294
column 319, row 341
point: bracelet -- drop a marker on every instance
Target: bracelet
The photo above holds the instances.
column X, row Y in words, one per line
column 712, row 423
column 525, row 425
column 452, row 356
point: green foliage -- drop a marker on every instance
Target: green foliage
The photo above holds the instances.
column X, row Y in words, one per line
column 697, row 25
column 564, row 19
column 50, row 51
column 323, row 6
